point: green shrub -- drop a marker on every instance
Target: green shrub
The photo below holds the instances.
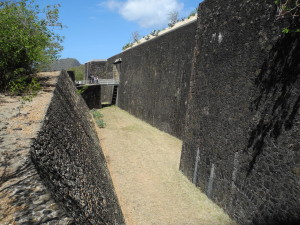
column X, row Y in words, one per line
column 25, row 86
column 193, row 13
column 155, row 32
column 97, row 116
column 128, row 45
column 82, row 89
column 100, row 123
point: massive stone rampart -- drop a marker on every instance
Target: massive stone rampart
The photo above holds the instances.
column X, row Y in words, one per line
column 70, row 161
column 241, row 144
column 154, row 78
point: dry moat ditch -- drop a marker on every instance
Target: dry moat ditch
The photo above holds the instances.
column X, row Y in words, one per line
column 143, row 164
column 142, row 161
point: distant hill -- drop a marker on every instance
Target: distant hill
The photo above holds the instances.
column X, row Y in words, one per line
column 63, row 64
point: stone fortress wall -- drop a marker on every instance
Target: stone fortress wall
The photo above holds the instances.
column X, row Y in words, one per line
column 99, row 68
column 154, row 78
column 94, row 68
column 228, row 85
column 241, row 141
column 69, row 159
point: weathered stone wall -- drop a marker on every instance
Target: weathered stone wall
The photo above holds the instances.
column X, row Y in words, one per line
column 107, row 91
column 154, row 78
column 24, row 199
column 100, row 68
column 72, row 75
column 91, row 95
column 95, row 68
column 70, row 161
column 241, row 143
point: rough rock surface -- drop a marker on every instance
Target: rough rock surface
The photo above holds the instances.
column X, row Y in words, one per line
column 23, row 197
column 154, row 78
column 241, row 144
column 52, row 169
column 70, row 161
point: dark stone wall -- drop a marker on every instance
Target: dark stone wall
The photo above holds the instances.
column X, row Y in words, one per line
column 101, row 69
column 241, row 141
column 72, row 75
column 95, row 68
column 106, row 94
column 154, row 79
column 107, row 91
column 91, row 95
column 70, row 161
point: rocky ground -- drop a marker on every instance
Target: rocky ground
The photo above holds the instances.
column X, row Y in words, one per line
column 23, row 197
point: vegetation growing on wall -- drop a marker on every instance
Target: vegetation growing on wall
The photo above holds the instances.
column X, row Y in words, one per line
column 155, row 32
column 127, row 45
column 173, row 19
column 288, row 9
column 193, row 13
column 27, row 41
column 135, row 36
column 82, row 89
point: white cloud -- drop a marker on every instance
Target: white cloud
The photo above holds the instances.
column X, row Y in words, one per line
column 112, row 4
column 147, row 13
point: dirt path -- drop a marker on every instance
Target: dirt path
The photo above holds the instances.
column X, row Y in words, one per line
column 143, row 163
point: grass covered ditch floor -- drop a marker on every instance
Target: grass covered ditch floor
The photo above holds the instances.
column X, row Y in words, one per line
column 143, row 162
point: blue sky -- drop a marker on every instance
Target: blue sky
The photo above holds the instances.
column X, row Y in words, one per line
column 97, row 29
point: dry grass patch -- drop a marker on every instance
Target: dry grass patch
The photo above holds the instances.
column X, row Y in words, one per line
column 143, row 163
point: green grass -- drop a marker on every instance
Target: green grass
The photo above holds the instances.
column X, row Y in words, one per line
column 100, row 123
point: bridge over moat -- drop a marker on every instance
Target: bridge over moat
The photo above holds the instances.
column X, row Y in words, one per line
column 91, row 91
column 109, row 82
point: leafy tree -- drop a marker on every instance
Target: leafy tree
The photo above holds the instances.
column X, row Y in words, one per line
column 27, row 39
